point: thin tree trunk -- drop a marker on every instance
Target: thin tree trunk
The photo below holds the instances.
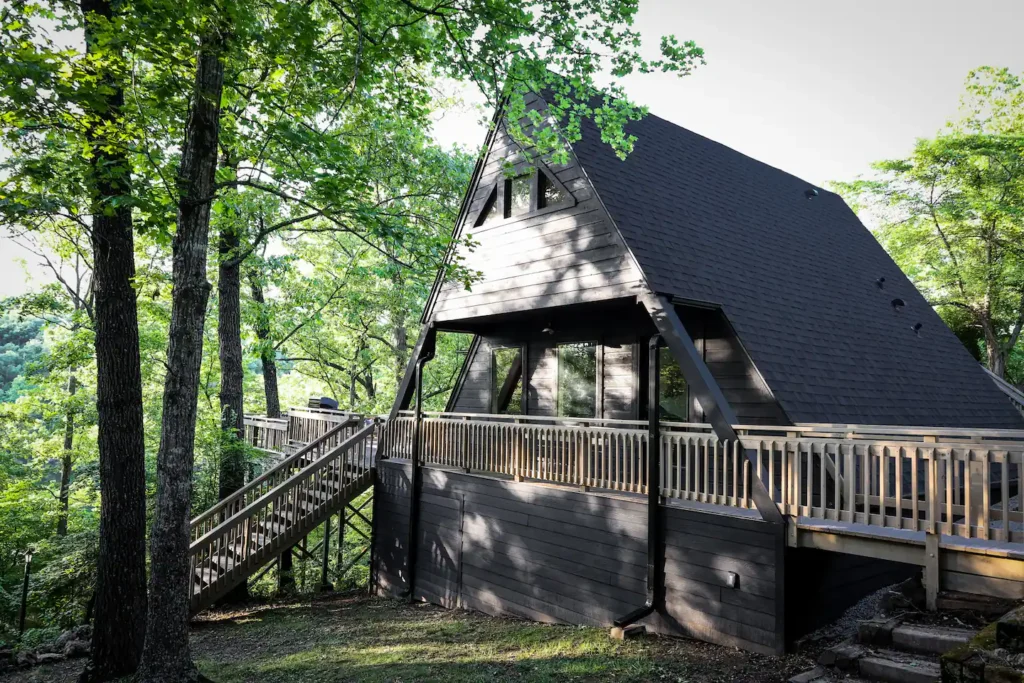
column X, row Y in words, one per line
column 120, row 594
column 167, row 657
column 64, row 498
column 267, row 352
column 229, row 335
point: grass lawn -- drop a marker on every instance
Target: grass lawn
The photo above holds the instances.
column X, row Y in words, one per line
column 361, row 639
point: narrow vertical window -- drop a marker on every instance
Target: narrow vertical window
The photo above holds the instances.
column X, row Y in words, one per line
column 577, row 379
column 518, row 196
column 507, row 381
column 674, row 397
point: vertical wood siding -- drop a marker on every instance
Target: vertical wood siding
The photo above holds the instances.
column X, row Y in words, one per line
column 566, row 256
column 561, row 556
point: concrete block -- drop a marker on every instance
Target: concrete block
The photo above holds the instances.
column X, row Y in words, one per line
column 627, row 632
column 876, row 632
column 931, row 640
column 899, row 671
column 810, row 676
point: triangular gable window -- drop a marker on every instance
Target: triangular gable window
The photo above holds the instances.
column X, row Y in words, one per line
column 522, row 195
column 491, row 210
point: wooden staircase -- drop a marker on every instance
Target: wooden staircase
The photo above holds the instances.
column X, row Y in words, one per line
column 235, row 538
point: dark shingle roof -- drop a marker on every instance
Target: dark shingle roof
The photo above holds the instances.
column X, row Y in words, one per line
column 797, row 279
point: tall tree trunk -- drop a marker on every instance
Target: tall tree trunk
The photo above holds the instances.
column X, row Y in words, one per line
column 64, row 498
column 120, row 609
column 268, row 356
column 229, row 336
column 995, row 353
column 167, row 657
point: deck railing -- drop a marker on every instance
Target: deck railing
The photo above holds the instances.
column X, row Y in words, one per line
column 273, row 477
column 922, row 479
column 266, row 433
column 270, row 523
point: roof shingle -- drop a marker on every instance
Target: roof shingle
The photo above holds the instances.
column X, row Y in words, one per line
column 796, row 277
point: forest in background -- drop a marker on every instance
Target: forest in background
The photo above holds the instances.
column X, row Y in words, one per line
column 329, row 209
column 241, row 205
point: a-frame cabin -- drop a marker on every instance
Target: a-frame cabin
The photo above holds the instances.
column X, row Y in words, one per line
column 801, row 380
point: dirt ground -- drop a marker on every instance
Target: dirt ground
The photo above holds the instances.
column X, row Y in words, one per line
column 367, row 639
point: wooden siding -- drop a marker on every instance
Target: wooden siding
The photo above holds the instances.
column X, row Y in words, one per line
column 732, row 368
column 547, row 258
column 561, row 556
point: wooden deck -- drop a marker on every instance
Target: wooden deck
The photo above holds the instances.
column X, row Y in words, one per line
column 946, row 500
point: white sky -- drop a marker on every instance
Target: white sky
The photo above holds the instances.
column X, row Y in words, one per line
column 820, row 89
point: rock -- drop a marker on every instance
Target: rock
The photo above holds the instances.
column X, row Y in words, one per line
column 995, row 673
column 627, row 632
column 83, row 632
column 1010, row 630
column 24, row 659
column 76, row 648
column 48, row 658
column 876, row 632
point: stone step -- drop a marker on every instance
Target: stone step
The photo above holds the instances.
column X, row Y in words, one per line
column 890, row 666
column 929, row 640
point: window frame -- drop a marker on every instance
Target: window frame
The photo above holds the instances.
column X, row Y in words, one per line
column 598, row 371
column 500, row 196
column 495, row 390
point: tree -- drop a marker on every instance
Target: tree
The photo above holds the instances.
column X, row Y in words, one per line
column 63, row 122
column 20, row 345
column 952, row 215
column 166, row 655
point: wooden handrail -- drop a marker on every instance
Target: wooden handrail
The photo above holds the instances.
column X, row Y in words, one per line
column 282, row 489
column 285, row 465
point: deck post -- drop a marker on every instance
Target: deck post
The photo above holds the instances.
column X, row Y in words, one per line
column 427, row 349
column 654, row 540
column 325, row 585
column 931, row 570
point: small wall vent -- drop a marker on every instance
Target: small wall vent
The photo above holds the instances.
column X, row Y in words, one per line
column 898, row 305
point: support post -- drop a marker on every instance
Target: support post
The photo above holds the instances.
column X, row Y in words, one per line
column 414, row 473
column 931, row 570
column 325, row 584
column 716, row 408
column 24, row 593
column 654, row 541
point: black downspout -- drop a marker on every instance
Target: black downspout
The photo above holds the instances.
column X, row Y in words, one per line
column 414, row 475
column 654, row 543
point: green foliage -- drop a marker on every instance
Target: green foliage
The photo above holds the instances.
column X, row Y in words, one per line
column 342, row 202
column 21, row 344
column 952, row 215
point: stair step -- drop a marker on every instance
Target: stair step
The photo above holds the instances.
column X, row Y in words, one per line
column 932, row 640
column 890, row 666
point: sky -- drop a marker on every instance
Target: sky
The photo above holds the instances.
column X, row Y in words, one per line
column 819, row 89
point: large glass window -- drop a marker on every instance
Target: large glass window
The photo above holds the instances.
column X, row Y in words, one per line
column 518, row 196
column 577, row 379
column 507, row 381
column 674, row 399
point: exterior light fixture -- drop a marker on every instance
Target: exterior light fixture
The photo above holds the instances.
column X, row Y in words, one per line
column 880, row 282
column 917, row 328
column 548, row 331
column 732, row 580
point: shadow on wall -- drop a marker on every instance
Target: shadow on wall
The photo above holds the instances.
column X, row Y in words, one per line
column 556, row 555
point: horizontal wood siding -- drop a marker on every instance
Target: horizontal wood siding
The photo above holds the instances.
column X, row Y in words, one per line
column 562, row 556
column 551, row 258
column 732, row 368
column 701, row 549
column 474, row 394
